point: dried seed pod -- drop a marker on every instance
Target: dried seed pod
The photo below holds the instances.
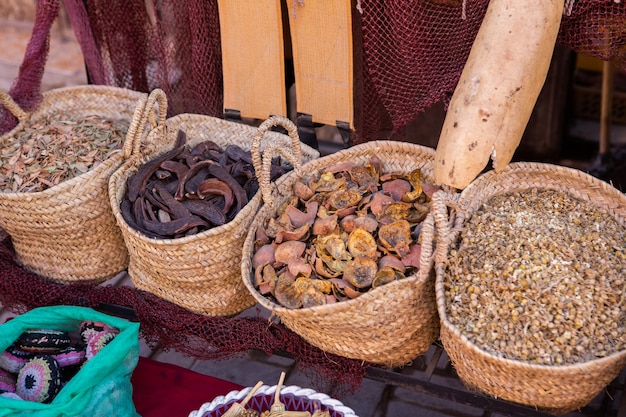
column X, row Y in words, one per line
column 415, row 178
column 313, row 297
column 299, row 218
column 397, row 188
column 265, row 279
column 328, row 268
column 360, row 272
column 287, row 293
column 299, row 267
column 264, row 255
column 288, row 250
column 396, row 237
column 391, row 261
column 386, row 275
column 332, row 245
column 326, row 225
column 327, row 182
column 361, row 243
column 412, row 259
column 342, row 199
column 379, row 203
column 302, row 191
column 367, row 179
column 396, row 211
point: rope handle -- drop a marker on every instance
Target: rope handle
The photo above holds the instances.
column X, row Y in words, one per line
column 427, row 235
column 135, row 122
column 7, row 101
column 447, row 223
column 154, row 111
column 263, row 163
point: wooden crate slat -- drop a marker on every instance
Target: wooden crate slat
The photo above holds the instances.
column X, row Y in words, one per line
column 253, row 57
column 321, row 35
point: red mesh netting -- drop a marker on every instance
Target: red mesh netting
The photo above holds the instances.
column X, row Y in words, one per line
column 415, row 50
column 169, row 326
column 409, row 53
column 26, row 87
column 172, row 45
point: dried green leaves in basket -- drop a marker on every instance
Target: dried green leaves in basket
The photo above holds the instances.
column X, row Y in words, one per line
column 388, row 325
column 60, row 157
column 530, row 286
column 57, row 148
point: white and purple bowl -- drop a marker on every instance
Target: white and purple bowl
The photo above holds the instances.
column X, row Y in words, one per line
column 293, row 397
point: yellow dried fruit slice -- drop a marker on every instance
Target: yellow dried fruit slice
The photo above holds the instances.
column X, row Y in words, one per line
column 360, row 272
column 396, row 237
column 362, row 243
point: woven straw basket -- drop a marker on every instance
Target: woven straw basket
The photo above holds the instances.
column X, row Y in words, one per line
column 556, row 389
column 67, row 232
column 200, row 272
column 389, row 325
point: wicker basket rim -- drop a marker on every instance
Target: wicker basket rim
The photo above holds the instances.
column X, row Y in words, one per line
column 538, row 167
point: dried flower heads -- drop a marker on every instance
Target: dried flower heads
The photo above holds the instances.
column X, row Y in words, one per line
column 57, row 148
column 345, row 231
column 538, row 276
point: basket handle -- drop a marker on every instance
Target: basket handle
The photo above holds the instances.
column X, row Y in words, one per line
column 7, row 101
column 262, row 164
column 135, row 122
column 447, row 224
column 154, row 111
column 427, row 235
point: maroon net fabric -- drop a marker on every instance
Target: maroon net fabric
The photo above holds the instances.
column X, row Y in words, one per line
column 415, row 50
column 168, row 326
column 409, row 54
column 173, row 45
column 25, row 90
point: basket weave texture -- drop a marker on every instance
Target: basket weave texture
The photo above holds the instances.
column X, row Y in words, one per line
column 201, row 272
column 67, row 233
column 389, row 325
column 557, row 389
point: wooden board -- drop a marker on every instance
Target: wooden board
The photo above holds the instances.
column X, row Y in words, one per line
column 321, row 35
column 253, row 57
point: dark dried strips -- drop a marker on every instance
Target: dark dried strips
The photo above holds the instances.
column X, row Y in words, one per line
column 191, row 189
column 137, row 183
column 207, row 210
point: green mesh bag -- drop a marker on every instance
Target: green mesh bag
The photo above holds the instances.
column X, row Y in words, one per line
column 101, row 387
